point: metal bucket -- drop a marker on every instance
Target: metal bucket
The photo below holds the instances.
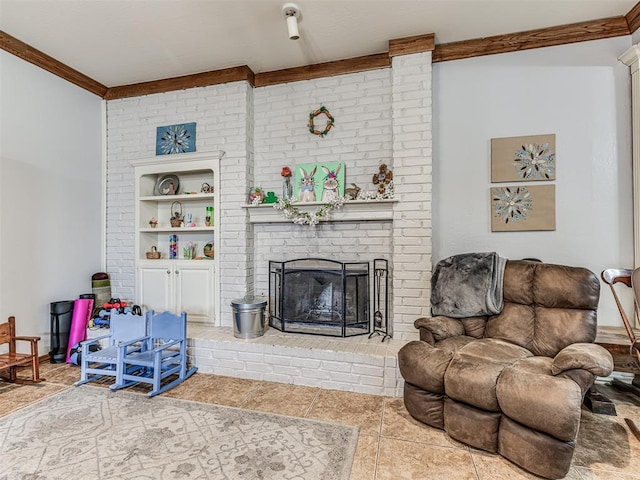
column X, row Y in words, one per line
column 248, row 317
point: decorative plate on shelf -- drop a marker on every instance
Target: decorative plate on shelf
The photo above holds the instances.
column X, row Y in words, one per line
column 167, row 185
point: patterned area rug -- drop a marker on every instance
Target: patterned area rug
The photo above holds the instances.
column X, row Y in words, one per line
column 91, row 432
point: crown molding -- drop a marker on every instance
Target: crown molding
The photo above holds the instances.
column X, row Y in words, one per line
column 530, row 39
column 226, row 75
column 631, row 58
column 416, row 44
column 327, row 69
column 633, row 18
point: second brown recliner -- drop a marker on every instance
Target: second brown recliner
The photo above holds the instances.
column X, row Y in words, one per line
column 512, row 383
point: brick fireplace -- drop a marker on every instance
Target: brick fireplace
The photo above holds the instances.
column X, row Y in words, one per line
column 381, row 116
column 393, row 126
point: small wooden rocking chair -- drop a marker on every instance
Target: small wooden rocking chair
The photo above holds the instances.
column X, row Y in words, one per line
column 12, row 360
column 124, row 328
column 162, row 363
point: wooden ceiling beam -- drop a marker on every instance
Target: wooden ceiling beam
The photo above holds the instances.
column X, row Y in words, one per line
column 327, row 69
column 216, row 77
column 633, row 18
column 416, row 44
column 530, row 39
column 40, row 59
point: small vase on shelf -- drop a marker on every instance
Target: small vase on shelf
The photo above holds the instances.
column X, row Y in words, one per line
column 287, row 189
column 189, row 251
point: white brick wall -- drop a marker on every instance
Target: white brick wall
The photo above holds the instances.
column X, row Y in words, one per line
column 412, row 156
column 223, row 122
column 381, row 116
column 356, row 364
column 361, row 137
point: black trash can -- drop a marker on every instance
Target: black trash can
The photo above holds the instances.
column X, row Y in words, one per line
column 61, row 314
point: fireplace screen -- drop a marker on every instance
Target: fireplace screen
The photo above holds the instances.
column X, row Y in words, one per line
column 322, row 297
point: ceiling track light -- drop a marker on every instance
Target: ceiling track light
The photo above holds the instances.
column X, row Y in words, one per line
column 293, row 16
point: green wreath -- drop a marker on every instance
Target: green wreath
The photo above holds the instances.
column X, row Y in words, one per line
column 327, row 127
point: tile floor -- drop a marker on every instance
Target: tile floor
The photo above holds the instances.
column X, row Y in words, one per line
column 391, row 446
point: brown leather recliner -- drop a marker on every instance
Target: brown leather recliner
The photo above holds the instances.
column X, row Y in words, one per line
column 512, row 383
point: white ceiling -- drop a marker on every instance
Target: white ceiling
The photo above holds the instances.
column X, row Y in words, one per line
column 119, row 42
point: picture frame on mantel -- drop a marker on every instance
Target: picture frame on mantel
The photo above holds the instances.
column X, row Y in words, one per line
column 521, row 208
column 523, row 159
column 323, row 180
column 176, row 139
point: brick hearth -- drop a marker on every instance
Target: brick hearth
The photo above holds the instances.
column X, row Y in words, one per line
column 355, row 364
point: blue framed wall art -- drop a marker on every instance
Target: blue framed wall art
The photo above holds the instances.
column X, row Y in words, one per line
column 172, row 139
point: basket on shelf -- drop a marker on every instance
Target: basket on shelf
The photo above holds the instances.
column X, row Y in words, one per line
column 154, row 254
column 208, row 250
column 177, row 217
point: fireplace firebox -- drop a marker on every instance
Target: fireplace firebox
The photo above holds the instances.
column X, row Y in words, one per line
column 318, row 296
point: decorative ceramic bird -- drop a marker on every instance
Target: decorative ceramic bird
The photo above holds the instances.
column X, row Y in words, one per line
column 170, row 189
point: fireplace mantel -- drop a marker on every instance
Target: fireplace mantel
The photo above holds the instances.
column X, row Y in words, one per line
column 352, row 211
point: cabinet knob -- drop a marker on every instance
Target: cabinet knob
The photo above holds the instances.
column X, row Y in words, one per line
column 177, row 272
column 168, row 272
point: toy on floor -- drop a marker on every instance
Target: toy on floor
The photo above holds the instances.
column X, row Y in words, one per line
column 75, row 356
column 102, row 319
column 101, row 287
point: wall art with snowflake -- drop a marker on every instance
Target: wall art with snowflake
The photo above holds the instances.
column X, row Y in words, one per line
column 171, row 139
column 519, row 208
column 523, row 159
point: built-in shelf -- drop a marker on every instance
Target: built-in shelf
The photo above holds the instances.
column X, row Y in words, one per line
column 181, row 197
column 352, row 211
column 178, row 284
column 177, row 229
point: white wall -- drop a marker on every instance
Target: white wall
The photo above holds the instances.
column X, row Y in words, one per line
column 50, row 193
column 579, row 92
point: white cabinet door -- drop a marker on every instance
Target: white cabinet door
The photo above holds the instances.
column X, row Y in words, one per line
column 194, row 291
column 155, row 287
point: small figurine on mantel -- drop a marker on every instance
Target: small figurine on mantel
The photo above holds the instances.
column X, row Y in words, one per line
column 352, row 191
column 256, row 196
column 383, row 179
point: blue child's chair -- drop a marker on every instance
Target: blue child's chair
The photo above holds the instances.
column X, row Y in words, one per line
column 124, row 328
column 163, row 355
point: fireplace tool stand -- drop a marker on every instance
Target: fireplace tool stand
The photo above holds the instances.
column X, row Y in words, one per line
column 381, row 299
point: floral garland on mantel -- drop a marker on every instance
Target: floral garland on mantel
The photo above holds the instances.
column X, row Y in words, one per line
column 300, row 217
